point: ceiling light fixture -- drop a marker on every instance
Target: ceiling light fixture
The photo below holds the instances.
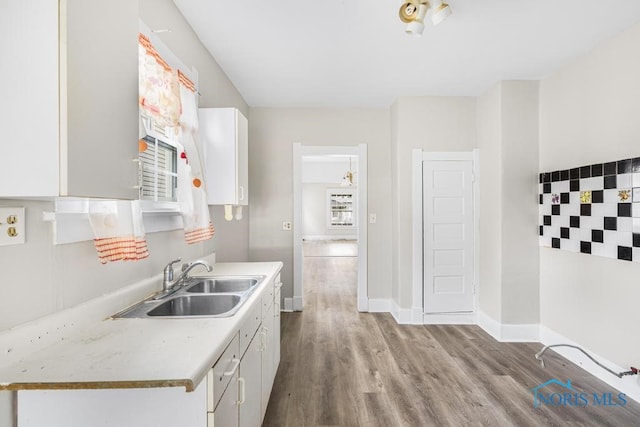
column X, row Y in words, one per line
column 440, row 12
column 413, row 12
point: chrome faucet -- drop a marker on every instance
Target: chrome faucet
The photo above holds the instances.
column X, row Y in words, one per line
column 168, row 282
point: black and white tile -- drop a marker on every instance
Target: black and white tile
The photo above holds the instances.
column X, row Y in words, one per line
column 592, row 209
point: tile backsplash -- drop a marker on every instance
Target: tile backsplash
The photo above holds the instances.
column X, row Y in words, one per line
column 592, row 209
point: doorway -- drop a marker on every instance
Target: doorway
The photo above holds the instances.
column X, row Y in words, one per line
column 330, row 211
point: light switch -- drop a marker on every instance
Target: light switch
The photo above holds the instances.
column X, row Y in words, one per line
column 287, row 225
column 372, row 218
column 12, row 226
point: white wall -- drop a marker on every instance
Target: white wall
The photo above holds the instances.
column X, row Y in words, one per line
column 271, row 135
column 433, row 124
column 589, row 113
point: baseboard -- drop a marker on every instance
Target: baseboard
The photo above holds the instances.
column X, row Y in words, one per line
column 508, row 333
column 403, row 316
column 629, row 385
column 297, row 304
column 288, row 304
column 449, row 319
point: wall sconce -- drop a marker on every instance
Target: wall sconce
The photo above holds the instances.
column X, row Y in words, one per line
column 413, row 12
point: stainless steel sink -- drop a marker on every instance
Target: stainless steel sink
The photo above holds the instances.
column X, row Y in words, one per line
column 222, row 284
column 220, row 296
column 197, row 305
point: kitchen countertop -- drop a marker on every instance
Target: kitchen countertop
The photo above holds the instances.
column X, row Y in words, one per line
column 83, row 348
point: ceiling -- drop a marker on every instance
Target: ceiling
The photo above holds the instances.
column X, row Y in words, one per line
column 354, row 53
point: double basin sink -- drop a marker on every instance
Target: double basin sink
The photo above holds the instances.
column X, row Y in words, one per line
column 199, row 297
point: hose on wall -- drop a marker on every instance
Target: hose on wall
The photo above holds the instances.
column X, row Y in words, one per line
column 632, row 371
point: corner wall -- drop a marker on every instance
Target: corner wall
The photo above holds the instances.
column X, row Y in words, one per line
column 508, row 140
column 589, row 113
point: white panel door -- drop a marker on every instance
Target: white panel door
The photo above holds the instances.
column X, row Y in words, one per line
column 447, row 200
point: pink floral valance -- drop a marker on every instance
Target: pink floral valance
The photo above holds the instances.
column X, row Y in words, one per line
column 158, row 85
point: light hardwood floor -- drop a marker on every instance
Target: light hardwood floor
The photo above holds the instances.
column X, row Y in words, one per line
column 344, row 368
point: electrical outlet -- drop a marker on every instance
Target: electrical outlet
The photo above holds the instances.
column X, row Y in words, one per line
column 287, row 225
column 372, row 218
column 12, row 226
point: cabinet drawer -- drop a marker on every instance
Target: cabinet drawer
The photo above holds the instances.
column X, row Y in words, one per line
column 222, row 372
column 249, row 328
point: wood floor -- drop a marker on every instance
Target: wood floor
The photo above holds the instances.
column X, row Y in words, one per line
column 344, row 368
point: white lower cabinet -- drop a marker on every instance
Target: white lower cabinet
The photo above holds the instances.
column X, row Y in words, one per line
column 235, row 393
column 251, row 379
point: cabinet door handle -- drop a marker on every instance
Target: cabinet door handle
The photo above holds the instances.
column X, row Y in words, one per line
column 232, row 371
column 263, row 334
column 241, row 193
column 278, row 285
column 241, row 391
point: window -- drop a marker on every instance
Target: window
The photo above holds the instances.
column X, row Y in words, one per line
column 341, row 208
column 158, row 168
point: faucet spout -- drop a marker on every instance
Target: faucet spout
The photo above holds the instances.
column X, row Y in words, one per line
column 169, row 285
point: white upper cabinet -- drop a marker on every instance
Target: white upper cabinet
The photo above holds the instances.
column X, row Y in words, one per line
column 224, row 134
column 69, row 113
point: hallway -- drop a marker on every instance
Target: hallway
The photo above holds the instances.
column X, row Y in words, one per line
column 344, row 368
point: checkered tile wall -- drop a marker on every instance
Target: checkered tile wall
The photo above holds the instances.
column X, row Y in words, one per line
column 593, row 209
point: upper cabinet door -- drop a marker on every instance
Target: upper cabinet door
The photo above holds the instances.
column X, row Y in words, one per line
column 70, row 115
column 225, row 141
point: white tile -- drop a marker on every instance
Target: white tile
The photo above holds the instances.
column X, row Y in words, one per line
column 555, row 187
column 597, row 223
column 563, row 186
column 610, row 238
column 635, row 210
column 597, row 249
column 610, row 209
column 597, row 209
column 635, row 179
column 596, row 183
column 554, row 230
column 563, row 221
column 625, row 224
column 636, row 225
column 572, row 209
column 574, row 198
column 586, row 184
column 610, row 249
column 636, row 194
column 585, row 233
column 585, row 222
column 624, row 180
column 611, row 196
column 545, row 241
column 625, row 239
column 571, row 244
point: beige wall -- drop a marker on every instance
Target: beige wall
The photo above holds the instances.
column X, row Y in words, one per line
column 433, row 124
column 589, row 113
column 271, row 135
column 490, row 144
column 508, row 141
